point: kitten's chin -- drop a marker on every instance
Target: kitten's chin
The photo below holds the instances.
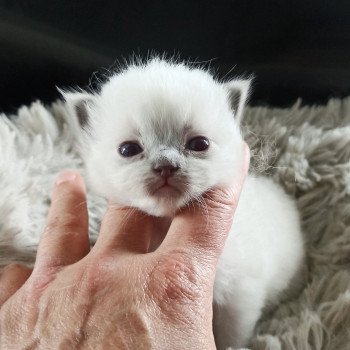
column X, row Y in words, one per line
column 164, row 207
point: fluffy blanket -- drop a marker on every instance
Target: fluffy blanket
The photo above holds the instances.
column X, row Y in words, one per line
column 305, row 149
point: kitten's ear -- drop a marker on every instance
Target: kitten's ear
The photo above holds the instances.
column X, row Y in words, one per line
column 79, row 103
column 238, row 93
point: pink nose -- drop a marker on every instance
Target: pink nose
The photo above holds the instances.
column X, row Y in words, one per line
column 165, row 170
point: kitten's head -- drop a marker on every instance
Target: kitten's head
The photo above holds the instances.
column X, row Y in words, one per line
column 158, row 135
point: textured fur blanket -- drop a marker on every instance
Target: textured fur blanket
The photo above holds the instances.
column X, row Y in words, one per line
column 305, row 149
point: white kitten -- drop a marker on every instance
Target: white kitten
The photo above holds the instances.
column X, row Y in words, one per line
column 157, row 136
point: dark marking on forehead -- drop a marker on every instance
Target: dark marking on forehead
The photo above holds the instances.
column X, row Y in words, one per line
column 169, row 129
column 187, row 129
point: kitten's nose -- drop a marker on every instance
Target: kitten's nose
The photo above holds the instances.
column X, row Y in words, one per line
column 165, row 170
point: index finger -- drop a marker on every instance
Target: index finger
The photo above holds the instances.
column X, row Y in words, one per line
column 125, row 229
column 201, row 230
column 65, row 239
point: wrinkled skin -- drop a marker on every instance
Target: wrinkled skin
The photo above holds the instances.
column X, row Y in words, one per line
column 118, row 295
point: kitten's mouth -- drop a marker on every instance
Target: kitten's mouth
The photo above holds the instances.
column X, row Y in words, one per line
column 165, row 189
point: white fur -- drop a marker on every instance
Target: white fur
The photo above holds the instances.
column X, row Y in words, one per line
column 162, row 105
column 263, row 252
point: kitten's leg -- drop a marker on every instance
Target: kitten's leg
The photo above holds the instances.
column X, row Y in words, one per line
column 235, row 317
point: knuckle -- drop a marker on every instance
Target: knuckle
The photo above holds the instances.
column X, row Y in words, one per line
column 13, row 268
column 64, row 223
column 222, row 200
column 220, row 207
column 87, row 279
column 174, row 279
column 94, row 274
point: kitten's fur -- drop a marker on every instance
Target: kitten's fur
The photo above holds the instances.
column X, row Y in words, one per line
column 162, row 105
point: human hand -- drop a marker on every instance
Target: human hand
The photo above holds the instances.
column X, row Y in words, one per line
column 118, row 295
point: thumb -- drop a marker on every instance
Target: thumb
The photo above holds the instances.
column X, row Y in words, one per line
column 201, row 230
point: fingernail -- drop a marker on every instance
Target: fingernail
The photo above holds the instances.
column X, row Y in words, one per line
column 66, row 176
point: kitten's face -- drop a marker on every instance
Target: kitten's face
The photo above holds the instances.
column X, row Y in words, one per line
column 159, row 136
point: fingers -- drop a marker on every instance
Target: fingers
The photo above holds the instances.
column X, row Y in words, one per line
column 201, row 230
column 125, row 229
column 12, row 277
column 65, row 239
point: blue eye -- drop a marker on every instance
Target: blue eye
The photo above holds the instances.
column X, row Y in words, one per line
column 198, row 144
column 129, row 149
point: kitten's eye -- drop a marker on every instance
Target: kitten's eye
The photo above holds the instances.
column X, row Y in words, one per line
column 130, row 149
column 198, row 144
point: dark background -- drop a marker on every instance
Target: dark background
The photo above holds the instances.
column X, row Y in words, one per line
column 294, row 48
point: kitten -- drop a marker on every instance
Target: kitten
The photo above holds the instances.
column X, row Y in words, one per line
column 157, row 136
